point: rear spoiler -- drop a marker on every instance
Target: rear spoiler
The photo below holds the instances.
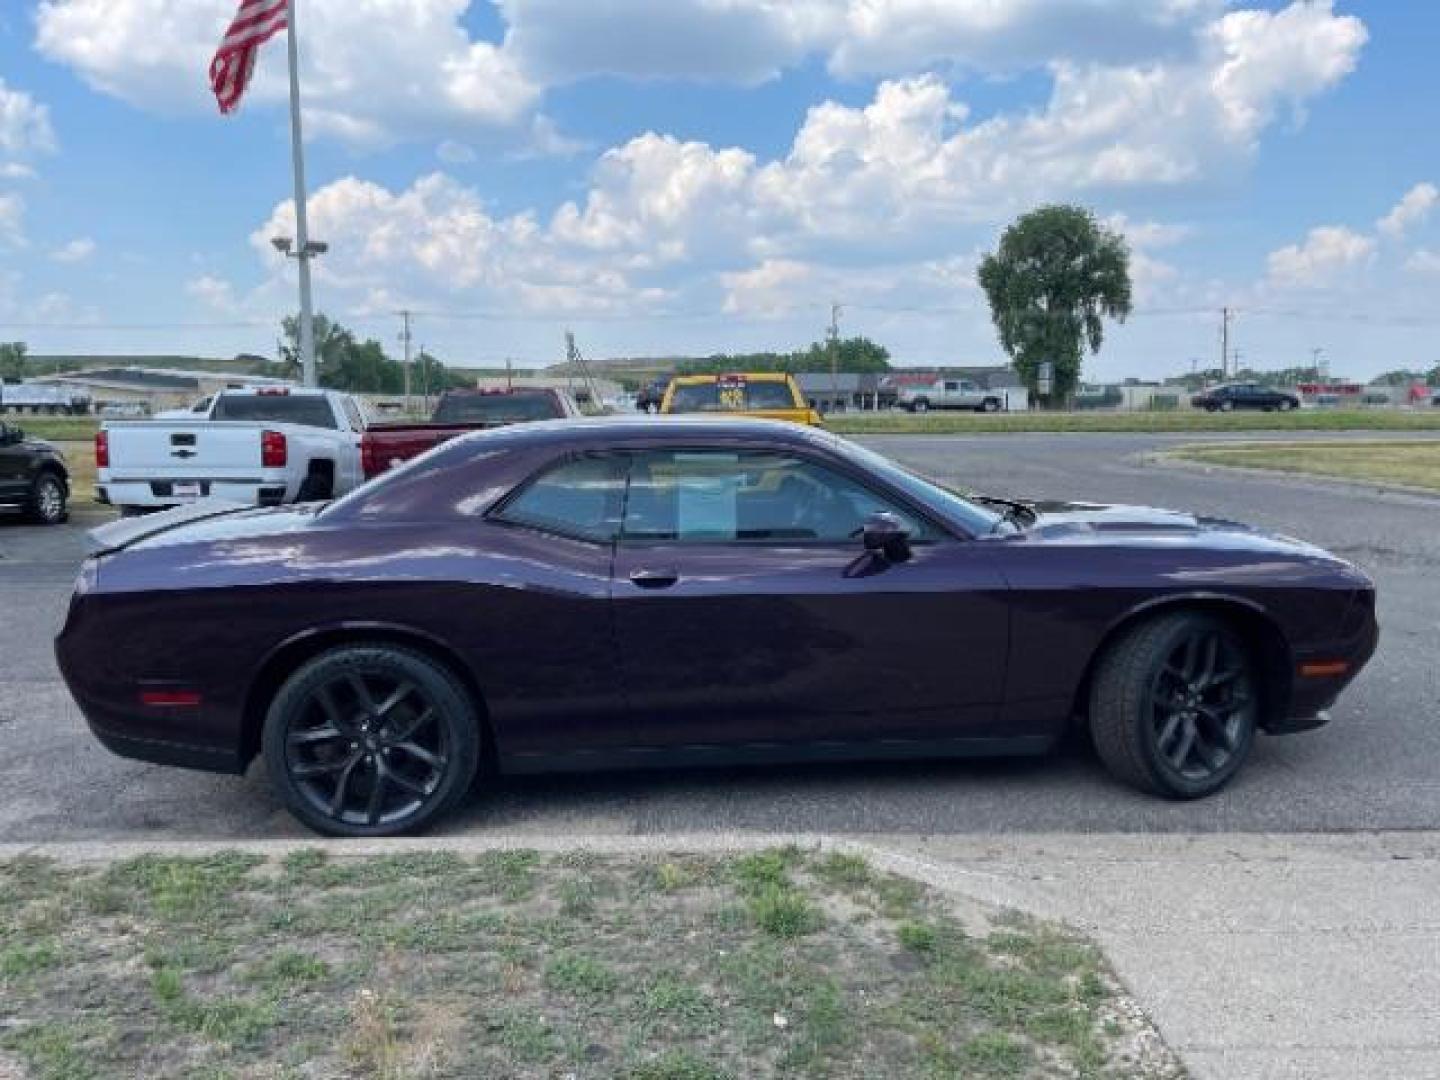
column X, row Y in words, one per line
column 121, row 534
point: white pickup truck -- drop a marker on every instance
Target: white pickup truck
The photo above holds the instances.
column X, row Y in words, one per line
column 261, row 447
column 949, row 394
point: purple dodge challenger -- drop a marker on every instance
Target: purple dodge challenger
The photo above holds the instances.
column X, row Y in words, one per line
column 612, row 593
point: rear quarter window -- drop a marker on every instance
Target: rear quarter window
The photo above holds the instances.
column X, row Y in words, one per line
column 306, row 411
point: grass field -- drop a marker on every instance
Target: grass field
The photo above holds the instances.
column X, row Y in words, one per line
column 968, row 423
column 778, row 963
column 1415, row 464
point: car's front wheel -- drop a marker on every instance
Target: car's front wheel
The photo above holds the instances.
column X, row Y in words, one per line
column 371, row 740
column 1285, row 404
column 48, row 500
column 1174, row 706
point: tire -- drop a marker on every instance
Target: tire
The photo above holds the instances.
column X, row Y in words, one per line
column 1227, row 406
column 373, row 729
column 49, row 500
column 1285, row 405
column 920, row 406
column 1210, row 406
column 1150, row 727
column 990, row 404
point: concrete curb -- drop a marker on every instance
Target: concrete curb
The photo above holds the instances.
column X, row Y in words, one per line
column 1171, row 459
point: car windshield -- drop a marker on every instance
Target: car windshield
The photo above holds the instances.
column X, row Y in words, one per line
column 496, row 408
column 977, row 520
column 307, row 410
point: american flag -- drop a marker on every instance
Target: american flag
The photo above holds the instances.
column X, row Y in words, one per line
column 255, row 23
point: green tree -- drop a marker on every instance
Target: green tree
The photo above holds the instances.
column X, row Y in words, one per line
column 855, row 355
column 331, row 342
column 12, row 360
column 1056, row 277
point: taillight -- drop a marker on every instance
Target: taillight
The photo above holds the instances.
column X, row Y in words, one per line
column 369, row 458
column 102, row 449
column 274, row 452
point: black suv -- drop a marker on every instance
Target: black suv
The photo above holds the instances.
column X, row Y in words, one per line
column 33, row 477
column 1244, row 396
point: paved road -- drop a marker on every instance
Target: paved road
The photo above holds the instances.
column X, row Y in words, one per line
column 1376, row 767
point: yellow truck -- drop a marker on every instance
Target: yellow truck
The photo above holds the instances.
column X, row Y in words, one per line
column 768, row 394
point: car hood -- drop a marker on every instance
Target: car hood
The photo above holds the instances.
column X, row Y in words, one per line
column 199, row 522
column 1079, row 522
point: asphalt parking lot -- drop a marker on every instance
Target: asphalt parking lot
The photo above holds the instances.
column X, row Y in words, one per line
column 1377, row 766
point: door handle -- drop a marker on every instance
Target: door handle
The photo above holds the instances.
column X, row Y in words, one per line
column 654, row 579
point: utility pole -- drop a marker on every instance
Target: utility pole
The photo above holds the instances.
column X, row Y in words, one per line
column 1224, row 343
column 835, row 310
column 405, row 338
column 1321, row 365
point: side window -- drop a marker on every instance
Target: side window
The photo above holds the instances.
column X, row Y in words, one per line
column 579, row 498
column 719, row 497
column 951, row 386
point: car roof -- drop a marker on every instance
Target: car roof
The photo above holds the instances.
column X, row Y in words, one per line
column 748, row 376
column 599, row 430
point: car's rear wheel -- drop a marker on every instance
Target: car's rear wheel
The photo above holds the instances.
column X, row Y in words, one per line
column 48, row 500
column 1285, row 405
column 1174, row 705
column 990, row 404
column 372, row 740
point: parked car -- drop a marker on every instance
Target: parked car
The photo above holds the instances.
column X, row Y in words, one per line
column 33, row 477
column 949, row 394
column 652, row 395
column 457, row 413
column 37, row 399
column 1230, row 396
column 770, row 395
column 262, row 447
column 680, row 591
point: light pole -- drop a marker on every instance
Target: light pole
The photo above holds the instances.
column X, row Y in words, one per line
column 307, row 251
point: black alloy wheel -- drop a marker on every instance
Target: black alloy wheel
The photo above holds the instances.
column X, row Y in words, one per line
column 1175, row 706
column 371, row 741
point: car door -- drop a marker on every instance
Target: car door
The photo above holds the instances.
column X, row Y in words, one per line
column 746, row 611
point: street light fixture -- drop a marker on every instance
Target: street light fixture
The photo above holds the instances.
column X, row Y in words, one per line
column 285, row 246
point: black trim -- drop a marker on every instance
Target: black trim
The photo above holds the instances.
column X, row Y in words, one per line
column 644, row 757
column 164, row 752
column 1293, row 725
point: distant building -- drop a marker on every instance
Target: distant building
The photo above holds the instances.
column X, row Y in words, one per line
column 148, row 390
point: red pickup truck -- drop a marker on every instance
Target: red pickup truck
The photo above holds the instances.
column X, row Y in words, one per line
column 384, row 446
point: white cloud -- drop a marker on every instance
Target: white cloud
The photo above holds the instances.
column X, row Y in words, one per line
column 24, row 124
column 214, row 292
column 1327, row 253
column 76, row 251
column 1411, row 210
column 13, row 170
column 748, row 41
column 768, row 289
column 12, row 221
column 452, row 152
column 374, row 72
column 1423, row 261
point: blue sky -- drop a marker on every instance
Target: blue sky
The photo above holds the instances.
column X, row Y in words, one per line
column 710, row 176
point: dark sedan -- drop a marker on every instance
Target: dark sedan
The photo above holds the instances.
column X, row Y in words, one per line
column 612, row 593
column 1231, row 396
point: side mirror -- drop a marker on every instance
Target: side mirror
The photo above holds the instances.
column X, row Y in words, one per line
column 885, row 534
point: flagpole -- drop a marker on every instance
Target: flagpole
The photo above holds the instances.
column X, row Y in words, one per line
column 302, row 224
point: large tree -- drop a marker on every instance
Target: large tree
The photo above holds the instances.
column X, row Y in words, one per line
column 1056, row 277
